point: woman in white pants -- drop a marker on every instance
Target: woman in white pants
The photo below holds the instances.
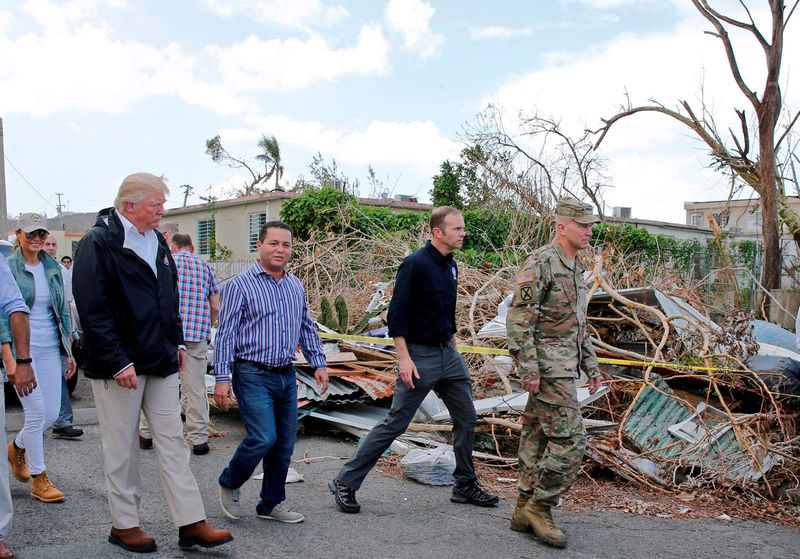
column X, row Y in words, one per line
column 39, row 279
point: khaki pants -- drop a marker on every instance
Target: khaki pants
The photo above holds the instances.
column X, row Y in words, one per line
column 118, row 414
column 194, row 399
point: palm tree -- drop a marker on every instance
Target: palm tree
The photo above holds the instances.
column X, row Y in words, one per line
column 271, row 158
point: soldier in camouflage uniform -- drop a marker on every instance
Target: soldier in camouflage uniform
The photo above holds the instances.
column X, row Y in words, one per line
column 549, row 341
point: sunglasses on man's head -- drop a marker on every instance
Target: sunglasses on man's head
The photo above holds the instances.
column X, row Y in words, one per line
column 41, row 233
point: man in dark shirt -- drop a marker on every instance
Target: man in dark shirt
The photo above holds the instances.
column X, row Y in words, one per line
column 422, row 323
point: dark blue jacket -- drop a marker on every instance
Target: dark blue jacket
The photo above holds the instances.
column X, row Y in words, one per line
column 128, row 314
column 423, row 305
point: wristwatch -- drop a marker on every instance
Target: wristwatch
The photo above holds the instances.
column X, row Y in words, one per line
column 24, row 361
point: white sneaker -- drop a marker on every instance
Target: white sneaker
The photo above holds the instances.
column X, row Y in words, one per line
column 229, row 501
column 282, row 514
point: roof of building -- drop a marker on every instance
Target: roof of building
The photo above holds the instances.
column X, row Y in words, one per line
column 281, row 195
column 737, row 202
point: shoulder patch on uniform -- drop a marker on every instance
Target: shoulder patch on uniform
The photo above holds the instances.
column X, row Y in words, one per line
column 525, row 284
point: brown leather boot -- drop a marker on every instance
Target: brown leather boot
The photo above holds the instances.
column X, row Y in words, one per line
column 5, row 551
column 538, row 517
column 133, row 539
column 202, row 534
column 518, row 523
column 19, row 466
column 42, row 489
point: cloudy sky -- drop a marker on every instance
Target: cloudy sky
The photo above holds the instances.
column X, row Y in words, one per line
column 92, row 90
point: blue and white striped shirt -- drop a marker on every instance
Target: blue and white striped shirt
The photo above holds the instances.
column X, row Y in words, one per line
column 263, row 320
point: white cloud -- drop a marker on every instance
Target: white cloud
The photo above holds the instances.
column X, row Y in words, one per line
column 418, row 144
column 499, row 32
column 75, row 62
column 412, row 19
column 607, row 4
column 293, row 63
column 300, row 14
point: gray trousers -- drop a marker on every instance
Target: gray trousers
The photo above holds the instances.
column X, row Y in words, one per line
column 444, row 371
column 6, row 508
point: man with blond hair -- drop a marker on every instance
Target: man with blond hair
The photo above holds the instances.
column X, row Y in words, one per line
column 125, row 287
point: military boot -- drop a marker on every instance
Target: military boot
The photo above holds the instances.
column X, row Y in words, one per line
column 537, row 516
column 518, row 523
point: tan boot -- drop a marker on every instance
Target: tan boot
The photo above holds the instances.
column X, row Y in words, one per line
column 518, row 523
column 19, row 466
column 538, row 517
column 42, row 489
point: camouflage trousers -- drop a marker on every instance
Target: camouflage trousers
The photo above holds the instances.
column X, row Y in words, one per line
column 552, row 442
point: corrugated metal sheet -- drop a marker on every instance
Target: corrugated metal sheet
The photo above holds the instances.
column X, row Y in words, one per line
column 657, row 409
column 338, row 389
column 376, row 387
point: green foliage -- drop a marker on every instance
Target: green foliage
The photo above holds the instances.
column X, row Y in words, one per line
column 656, row 250
column 326, row 314
column 460, row 184
column 316, row 210
column 341, row 322
column 342, row 314
column 447, row 187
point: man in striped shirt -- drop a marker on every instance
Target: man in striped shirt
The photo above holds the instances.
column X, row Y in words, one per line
column 263, row 317
column 199, row 306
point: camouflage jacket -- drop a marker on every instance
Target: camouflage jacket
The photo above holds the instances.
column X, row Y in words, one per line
column 547, row 325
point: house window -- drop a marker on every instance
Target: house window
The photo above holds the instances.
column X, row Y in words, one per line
column 74, row 248
column 205, row 231
column 254, row 223
column 697, row 219
column 754, row 219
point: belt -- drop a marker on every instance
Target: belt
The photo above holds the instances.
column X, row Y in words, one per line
column 440, row 345
column 264, row 367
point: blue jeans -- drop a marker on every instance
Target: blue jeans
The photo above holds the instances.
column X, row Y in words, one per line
column 268, row 407
column 65, row 415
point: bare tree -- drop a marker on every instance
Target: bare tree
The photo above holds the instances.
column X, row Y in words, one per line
column 759, row 170
column 538, row 163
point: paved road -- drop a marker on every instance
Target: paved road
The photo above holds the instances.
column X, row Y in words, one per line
column 398, row 519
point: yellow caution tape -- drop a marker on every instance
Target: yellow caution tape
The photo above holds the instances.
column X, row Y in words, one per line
column 390, row 341
column 497, row 351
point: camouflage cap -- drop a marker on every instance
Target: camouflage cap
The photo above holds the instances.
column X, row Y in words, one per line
column 577, row 210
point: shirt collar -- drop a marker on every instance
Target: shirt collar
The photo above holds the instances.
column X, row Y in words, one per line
column 563, row 257
column 437, row 256
column 259, row 269
column 130, row 228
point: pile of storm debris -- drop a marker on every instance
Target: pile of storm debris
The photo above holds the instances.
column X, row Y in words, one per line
column 687, row 403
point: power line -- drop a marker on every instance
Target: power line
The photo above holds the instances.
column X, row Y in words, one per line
column 29, row 184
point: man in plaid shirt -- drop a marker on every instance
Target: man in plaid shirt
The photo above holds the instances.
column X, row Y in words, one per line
column 199, row 306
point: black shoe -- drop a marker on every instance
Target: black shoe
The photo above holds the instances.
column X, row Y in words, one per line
column 473, row 495
column 345, row 497
column 144, row 443
column 68, row 432
column 200, row 449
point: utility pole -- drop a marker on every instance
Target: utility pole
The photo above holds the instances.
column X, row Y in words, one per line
column 187, row 189
column 3, row 203
column 58, row 208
